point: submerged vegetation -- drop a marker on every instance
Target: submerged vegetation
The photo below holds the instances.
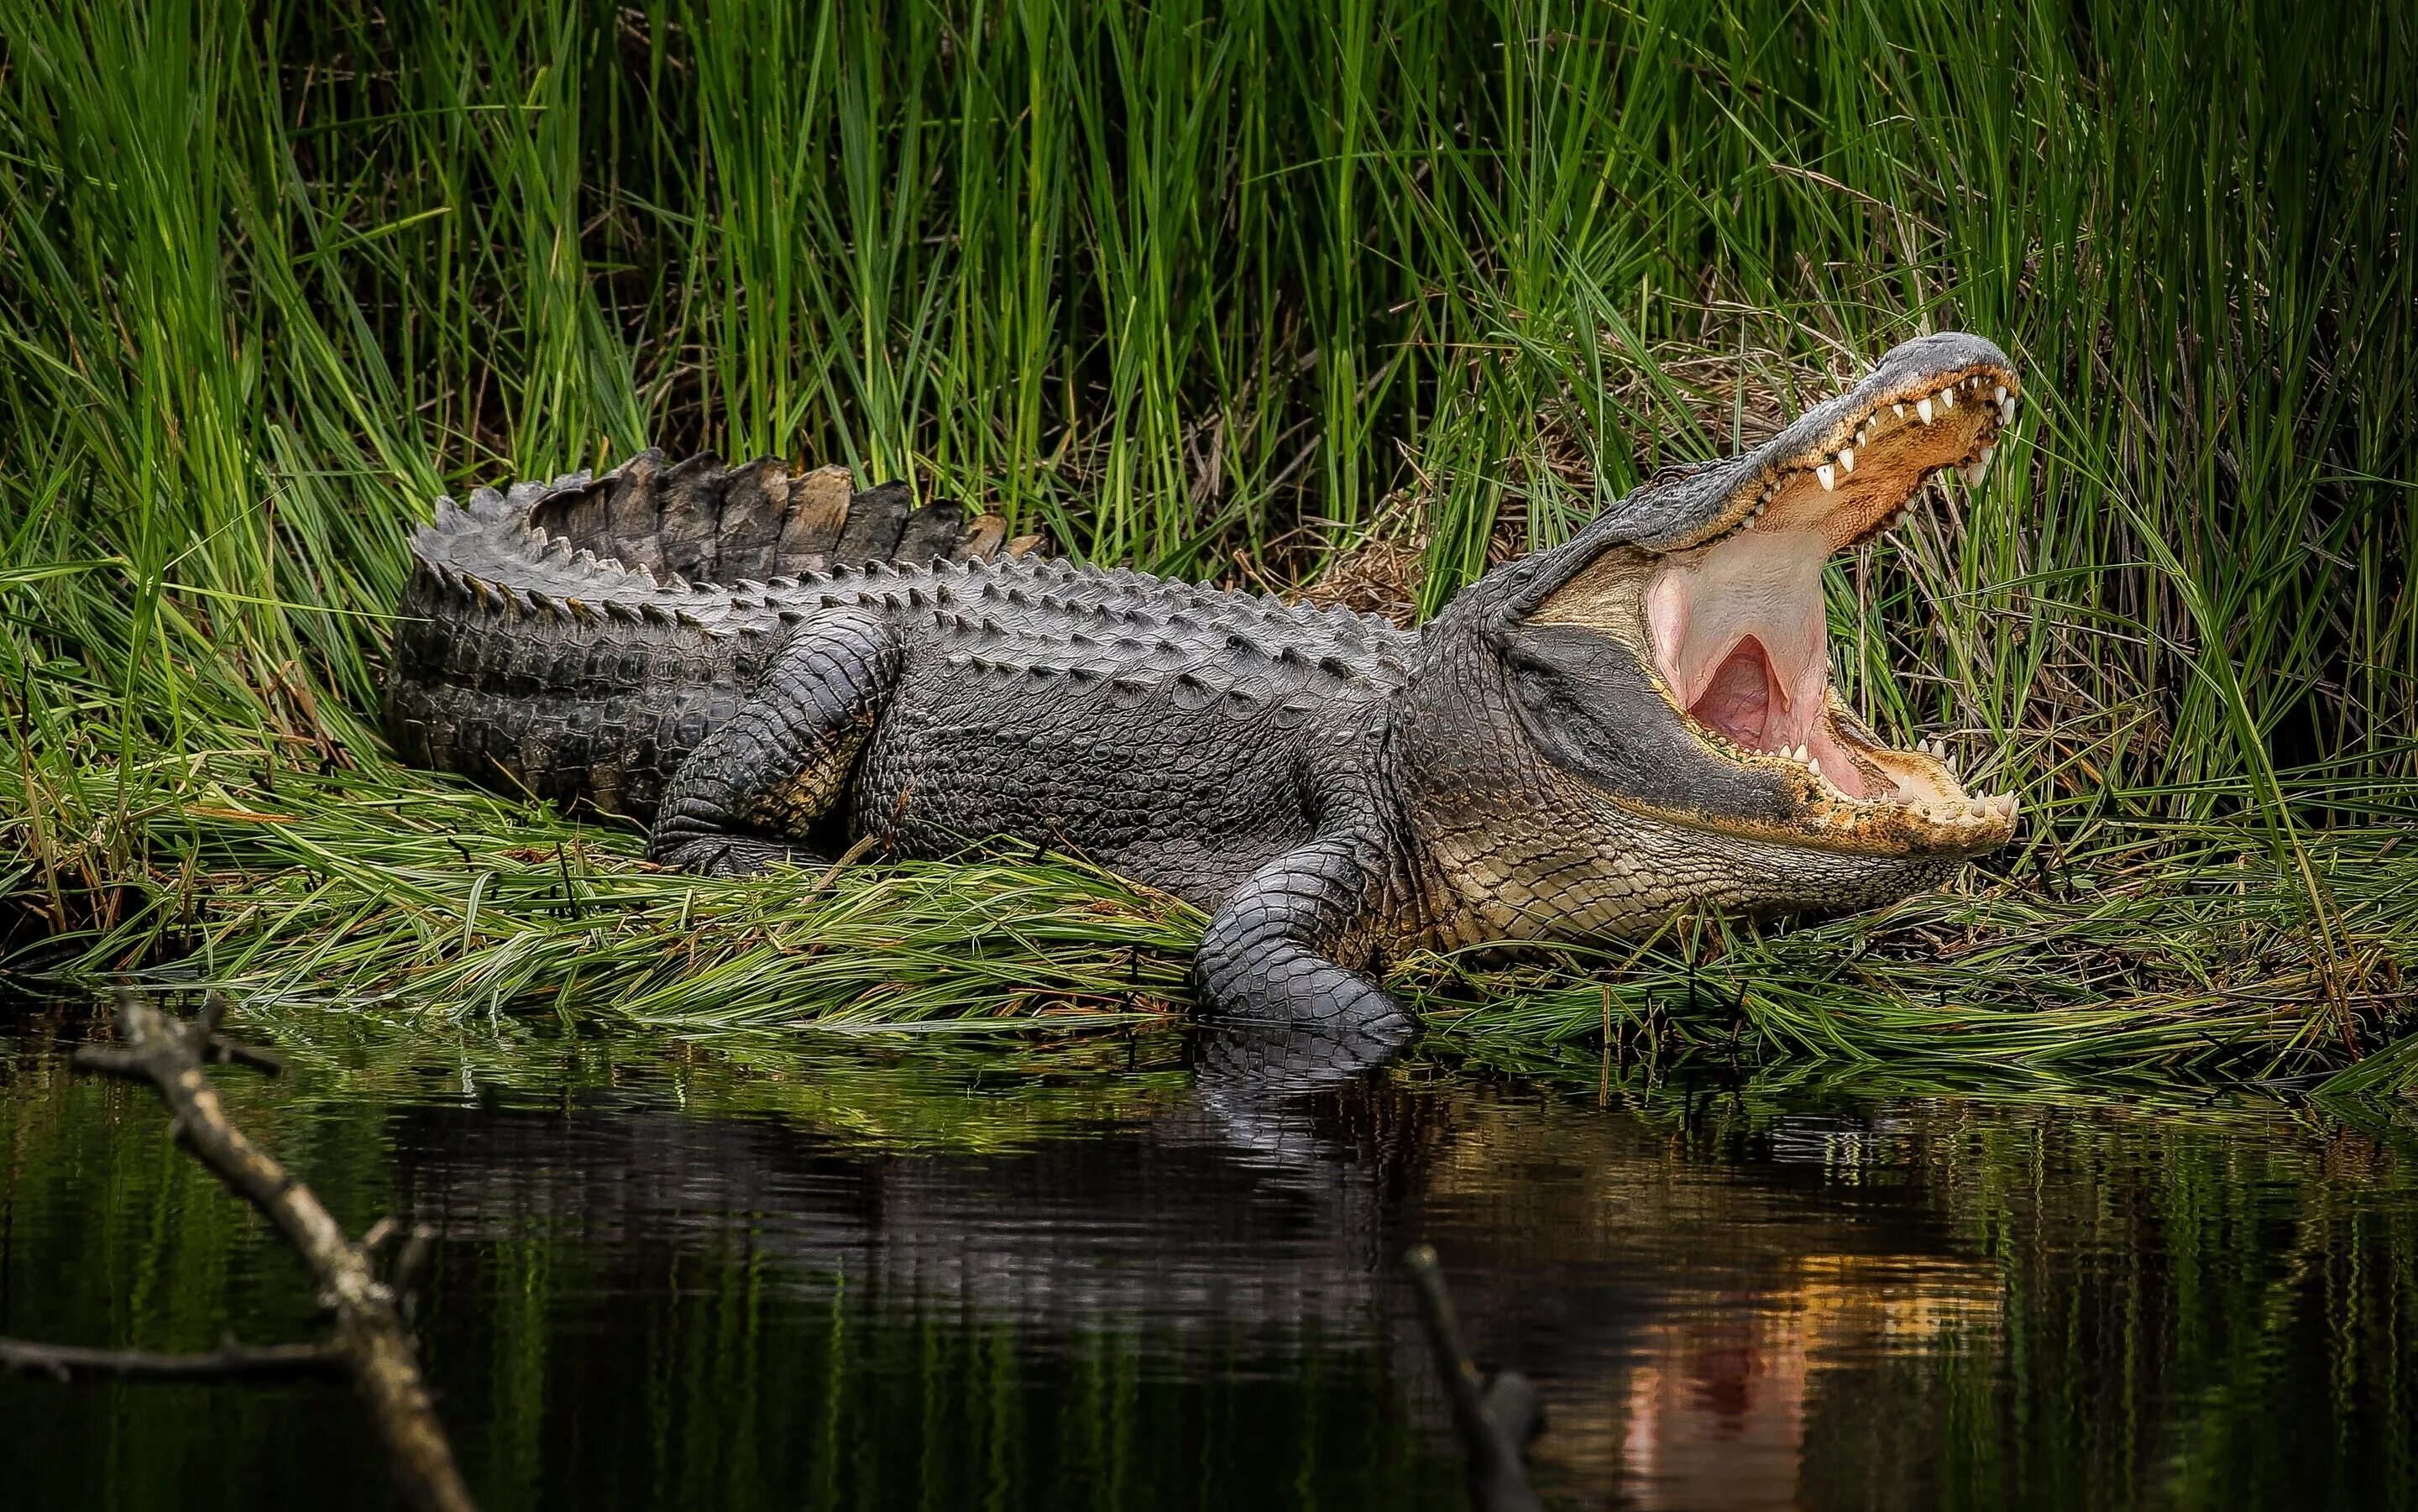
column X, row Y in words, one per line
column 1351, row 298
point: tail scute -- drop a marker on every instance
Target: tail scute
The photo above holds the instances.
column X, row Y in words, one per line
column 699, row 524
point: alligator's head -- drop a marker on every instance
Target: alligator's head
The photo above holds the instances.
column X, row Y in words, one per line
column 1663, row 681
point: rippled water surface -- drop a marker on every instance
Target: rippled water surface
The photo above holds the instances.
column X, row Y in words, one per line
column 808, row 1276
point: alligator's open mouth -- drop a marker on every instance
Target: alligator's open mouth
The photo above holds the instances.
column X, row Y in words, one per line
column 1737, row 626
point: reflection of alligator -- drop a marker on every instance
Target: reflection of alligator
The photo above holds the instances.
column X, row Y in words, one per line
column 1583, row 741
column 1670, row 1305
column 1165, row 1222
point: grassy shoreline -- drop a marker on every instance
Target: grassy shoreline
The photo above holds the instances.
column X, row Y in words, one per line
column 1349, row 297
column 2181, row 957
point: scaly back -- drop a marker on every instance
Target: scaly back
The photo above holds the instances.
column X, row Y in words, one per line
column 575, row 639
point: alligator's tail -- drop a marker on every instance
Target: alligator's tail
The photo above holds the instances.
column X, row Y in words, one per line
column 575, row 639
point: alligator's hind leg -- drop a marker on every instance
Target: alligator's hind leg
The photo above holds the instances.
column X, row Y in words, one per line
column 1268, row 960
column 745, row 796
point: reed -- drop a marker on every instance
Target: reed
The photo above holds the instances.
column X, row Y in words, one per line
column 1261, row 292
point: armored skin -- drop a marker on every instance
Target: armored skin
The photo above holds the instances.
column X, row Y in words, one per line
column 770, row 670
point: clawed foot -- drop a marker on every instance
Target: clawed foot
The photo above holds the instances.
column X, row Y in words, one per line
column 735, row 855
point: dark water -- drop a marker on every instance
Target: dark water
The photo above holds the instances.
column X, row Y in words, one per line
column 806, row 1277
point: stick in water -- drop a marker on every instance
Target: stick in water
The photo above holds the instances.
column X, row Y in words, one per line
column 1494, row 1420
column 371, row 1343
column 231, row 1362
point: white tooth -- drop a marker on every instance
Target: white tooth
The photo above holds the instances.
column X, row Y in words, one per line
column 1815, row 762
column 1859, row 436
column 2001, row 395
column 1830, row 475
column 2006, row 411
column 1847, row 455
column 1899, row 409
column 1948, row 398
column 1922, row 407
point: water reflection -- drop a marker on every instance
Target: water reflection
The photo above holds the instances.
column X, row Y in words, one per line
column 782, row 1276
column 1712, row 1415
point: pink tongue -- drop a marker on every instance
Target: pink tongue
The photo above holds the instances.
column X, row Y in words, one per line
column 1737, row 702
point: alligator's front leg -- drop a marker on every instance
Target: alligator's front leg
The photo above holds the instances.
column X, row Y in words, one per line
column 1270, row 956
column 747, row 793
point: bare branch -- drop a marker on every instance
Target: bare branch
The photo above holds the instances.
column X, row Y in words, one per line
column 370, row 1335
column 411, row 1263
column 1493, row 1420
column 235, row 1361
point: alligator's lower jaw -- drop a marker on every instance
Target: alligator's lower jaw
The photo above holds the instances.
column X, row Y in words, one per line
column 1854, row 794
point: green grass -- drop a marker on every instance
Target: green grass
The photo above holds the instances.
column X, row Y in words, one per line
column 1228, row 291
column 369, row 889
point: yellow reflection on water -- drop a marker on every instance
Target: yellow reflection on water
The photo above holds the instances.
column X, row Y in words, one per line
column 1712, row 1415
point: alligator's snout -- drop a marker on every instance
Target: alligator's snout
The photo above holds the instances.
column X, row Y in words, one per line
column 1847, row 468
column 1719, row 593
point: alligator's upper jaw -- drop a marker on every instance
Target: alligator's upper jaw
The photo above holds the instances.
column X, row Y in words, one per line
column 1736, row 621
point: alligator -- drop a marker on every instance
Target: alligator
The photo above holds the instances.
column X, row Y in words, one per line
column 768, row 668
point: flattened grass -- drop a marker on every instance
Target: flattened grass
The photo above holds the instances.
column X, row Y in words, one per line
column 380, row 887
column 2184, row 959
